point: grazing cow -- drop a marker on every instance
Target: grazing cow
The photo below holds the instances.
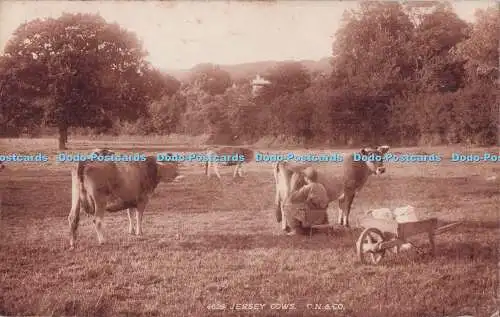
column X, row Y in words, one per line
column 114, row 186
column 356, row 173
column 234, row 156
column 103, row 152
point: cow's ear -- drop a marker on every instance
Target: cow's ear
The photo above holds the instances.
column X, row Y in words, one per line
column 383, row 149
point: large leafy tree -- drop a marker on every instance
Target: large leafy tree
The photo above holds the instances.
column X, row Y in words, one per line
column 424, row 110
column 243, row 113
column 285, row 78
column 372, row 63
column 480, row 49
column 165, row 114
column 436, row 34
column 478, row 101
column 210, row 78
column 17, row 113
column 88, row 71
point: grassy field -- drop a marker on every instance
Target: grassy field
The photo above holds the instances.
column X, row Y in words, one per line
column 207, row 243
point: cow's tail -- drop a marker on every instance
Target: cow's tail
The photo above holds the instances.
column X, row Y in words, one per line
column 277, row 199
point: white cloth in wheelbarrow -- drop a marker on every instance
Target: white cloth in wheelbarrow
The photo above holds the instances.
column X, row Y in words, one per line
column 307, row 206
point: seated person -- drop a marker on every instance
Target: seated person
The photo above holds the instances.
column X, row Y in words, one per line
column 306, row 206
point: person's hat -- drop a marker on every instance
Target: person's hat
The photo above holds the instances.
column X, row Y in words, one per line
column 311, row 174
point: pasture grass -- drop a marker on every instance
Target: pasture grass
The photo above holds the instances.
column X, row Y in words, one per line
column 208, row 243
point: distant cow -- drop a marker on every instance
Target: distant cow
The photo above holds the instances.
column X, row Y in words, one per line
column 355, row 176
column 232, row 154
column 103, row 152
column 113, row 186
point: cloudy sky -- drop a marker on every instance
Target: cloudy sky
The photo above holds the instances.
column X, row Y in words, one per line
column 182, row 34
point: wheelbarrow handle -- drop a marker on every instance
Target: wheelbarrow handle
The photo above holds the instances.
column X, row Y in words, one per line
column 447, row 227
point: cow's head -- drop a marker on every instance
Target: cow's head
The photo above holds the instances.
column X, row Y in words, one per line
column 248, row 154
column 375, row 158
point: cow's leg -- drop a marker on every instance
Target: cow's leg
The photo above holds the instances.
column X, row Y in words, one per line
column 350, row 199
column 99, row 201
column 283, row 219
column 73, row 220
column 210, row 167
column 139, row 212
column 239, row 170
column 138, row 216
column 216, row 170
column 74, row 214
column 345, row 204
column 98, row 221
column 281, row 211
column 277, row 212
column 277, row 203
column 341, row 212
column 130, row 223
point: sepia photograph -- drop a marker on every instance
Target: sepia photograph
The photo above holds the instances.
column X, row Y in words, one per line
column 250, row 158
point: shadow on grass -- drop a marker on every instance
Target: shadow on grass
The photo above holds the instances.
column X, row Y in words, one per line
column 468, row 251
column 449, row 252
column 479, row 224
column 265, row 241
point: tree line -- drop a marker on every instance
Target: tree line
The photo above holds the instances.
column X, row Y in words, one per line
column 403, row 74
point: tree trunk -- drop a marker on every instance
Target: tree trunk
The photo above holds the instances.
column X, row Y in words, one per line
column 63, row 137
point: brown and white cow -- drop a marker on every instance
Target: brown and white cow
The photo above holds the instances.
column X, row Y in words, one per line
column 355, row 175
column 114, row 186
column 234, row 156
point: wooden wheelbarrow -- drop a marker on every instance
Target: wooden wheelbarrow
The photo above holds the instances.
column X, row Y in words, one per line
column 382, row 234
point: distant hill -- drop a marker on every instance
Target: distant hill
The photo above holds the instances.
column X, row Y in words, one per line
column 246, row 71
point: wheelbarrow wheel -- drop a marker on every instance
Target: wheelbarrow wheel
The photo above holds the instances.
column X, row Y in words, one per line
column 367, row 246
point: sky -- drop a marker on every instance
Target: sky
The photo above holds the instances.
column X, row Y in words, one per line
column 181, row 34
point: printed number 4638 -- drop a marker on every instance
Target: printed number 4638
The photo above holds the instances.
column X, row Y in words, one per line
column 216, row 306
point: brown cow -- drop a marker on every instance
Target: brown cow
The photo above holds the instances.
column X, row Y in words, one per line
column 113, row 186
column 356, row 173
